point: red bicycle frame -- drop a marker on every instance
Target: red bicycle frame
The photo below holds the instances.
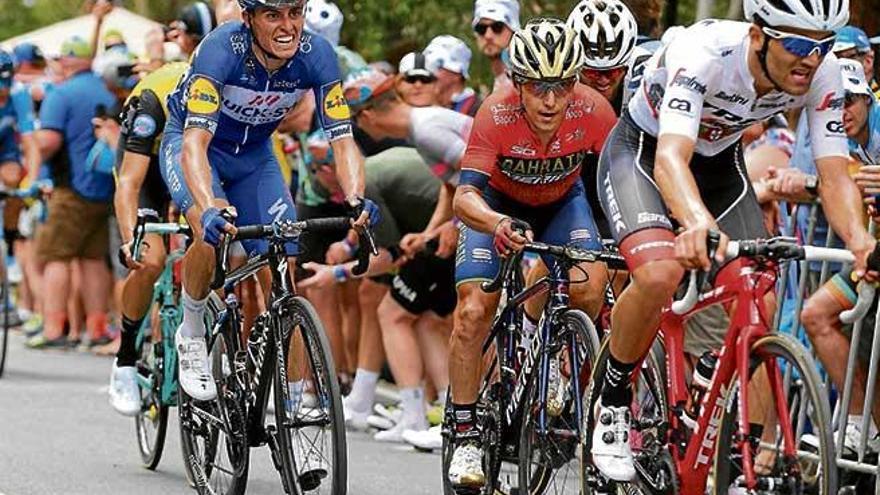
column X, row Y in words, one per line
column 745, row 283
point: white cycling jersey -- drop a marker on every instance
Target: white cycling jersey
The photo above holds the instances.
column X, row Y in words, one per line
column 700, row 86
column 440, row 135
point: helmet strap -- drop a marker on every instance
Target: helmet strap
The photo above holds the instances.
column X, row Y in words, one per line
column 762, row 59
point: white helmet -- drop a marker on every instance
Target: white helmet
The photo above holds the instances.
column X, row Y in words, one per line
column 545, row 49
column 607, row 30
column 816, row 15
column 324, row 18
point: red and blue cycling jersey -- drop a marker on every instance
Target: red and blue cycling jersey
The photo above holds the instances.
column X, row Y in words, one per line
column 504, row 149
column 229, row 93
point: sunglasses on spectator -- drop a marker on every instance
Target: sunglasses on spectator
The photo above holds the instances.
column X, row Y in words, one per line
column 419, row 78
column 496, row 27
column 801, row 46
column 612, row 73
column 850, row 98
column 542, row 88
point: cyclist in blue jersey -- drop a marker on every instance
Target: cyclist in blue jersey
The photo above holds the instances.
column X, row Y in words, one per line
column 245, row 77
column 16, row 121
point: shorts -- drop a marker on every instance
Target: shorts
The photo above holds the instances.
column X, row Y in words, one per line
column 120, row 271
column 313, row 246
column 74, row 228
column 567, row 222
column 9, row 150
column 426, row 284
column 153, row 194
column 257, row 192
column 632, row 201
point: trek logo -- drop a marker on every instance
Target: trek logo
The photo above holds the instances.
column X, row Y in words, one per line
column 707, row 446
column 257, row 107
column 689, row 82
column 537, row 171
column 831, row 101
column 613, row 207
column 733, row 98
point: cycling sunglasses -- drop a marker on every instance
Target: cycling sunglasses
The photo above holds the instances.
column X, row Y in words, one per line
column 801, row 46
column 496, row 27
column 542, row 88
column 419, row 78
column 611, row 73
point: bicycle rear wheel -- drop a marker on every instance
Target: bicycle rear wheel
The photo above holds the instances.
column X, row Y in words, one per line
column 655, row 473
column 548, row 460
column 812, row 470
column 310, row 422
column 152, row 422
column 4, row 325
column 213, row 434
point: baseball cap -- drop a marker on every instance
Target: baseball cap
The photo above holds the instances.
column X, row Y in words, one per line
column 875, row 40
column 364, row 85
column 849, row 37
column 853, row 74
column 76, row 47
column 450, row 53
column 28, row 52
column 506, row 11
column 414, row 64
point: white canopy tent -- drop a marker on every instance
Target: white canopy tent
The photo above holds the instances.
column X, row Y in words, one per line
column 133, row 27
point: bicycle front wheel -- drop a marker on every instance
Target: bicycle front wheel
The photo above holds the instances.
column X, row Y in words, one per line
column 308, row 404
column 781, row 370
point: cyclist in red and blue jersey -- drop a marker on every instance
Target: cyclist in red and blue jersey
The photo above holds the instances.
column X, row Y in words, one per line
column 522, row 161
column 245, row 77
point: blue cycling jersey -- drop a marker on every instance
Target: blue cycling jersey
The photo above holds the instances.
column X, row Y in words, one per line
column 229, row 93
column 16, row 116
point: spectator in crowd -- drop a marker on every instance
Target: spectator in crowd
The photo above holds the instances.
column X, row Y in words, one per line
column 115, row 41
column 30, row 70
column 450, row 58
column 416, row 83
column 494, row 23
column 325, row 19
column 77, row 225
column 853, row 43
column 193, row 23
column 875, row 45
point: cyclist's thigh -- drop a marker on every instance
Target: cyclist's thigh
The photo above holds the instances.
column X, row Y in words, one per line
column 262, row 197
column 626, row 187
column 476, row 259
column 172, row 171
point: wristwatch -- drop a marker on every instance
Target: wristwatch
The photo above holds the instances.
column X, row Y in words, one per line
column 811, row 184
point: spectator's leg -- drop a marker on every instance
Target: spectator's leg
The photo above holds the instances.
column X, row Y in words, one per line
column 95, row 285
column 75, row 310
column 351, row 326
column 433, row 334
column 402, row 348
column 57, row 288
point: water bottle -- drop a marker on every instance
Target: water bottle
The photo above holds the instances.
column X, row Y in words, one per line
column 702, row 378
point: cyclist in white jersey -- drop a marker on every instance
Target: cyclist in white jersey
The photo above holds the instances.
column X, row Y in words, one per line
column 675, row 153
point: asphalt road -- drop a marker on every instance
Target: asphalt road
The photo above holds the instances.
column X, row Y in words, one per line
column 58, row 435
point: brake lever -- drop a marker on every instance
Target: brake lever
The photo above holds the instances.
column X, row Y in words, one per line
column 364, row 251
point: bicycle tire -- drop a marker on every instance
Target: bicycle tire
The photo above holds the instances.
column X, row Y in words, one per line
column 649, row 401
column 154, row 414
column 322, row 370
column 563, row 451
column 201, row 440
column 4, row 327
column 778, row 347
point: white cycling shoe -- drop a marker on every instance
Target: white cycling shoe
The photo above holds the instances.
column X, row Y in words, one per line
column 125, row 396
column 194, row 369
column 466, row 467
column 612, row 454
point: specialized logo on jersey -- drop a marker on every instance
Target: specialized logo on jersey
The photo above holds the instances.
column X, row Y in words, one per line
column 335, row 104
column 143, row 126
column 203, row 97
column 538, row 171
column 257, row 107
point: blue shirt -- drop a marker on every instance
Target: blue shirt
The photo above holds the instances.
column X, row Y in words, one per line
column 869, row 154
column 17, row 114
column 229, row 93
column 69, row 109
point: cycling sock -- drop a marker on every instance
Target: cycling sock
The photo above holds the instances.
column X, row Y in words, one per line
column 363, row 390
column 617, row 391
column 465, row 420
column 193, row 313
column 96, row 325
column 413, row 401
column 127, row 353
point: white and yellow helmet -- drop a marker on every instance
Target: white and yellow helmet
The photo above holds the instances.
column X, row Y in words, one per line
column 545, row 49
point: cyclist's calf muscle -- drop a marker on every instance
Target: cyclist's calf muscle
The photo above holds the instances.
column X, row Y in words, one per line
column 472, row 321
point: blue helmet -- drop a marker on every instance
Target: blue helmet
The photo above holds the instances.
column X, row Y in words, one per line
column 7, row 68
column 252, row 4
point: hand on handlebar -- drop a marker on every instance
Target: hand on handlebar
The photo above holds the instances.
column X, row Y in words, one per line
column 691, row 248
column 509, row 239
column 127, row 258
column 362, row 210
column 215, row 224
column 866, row 259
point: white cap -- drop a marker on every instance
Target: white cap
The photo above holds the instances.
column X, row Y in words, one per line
column 506, row 11
column 450, row 53
column 414, row 64
column 324, row 19
column 853, row 74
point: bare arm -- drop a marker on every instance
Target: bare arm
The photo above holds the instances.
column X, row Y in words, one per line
column 196, row 169
column 443, row 211
column 131, row 178
column 349, row 167
column 48, row 142
column 32, row 160
column 469, row 205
